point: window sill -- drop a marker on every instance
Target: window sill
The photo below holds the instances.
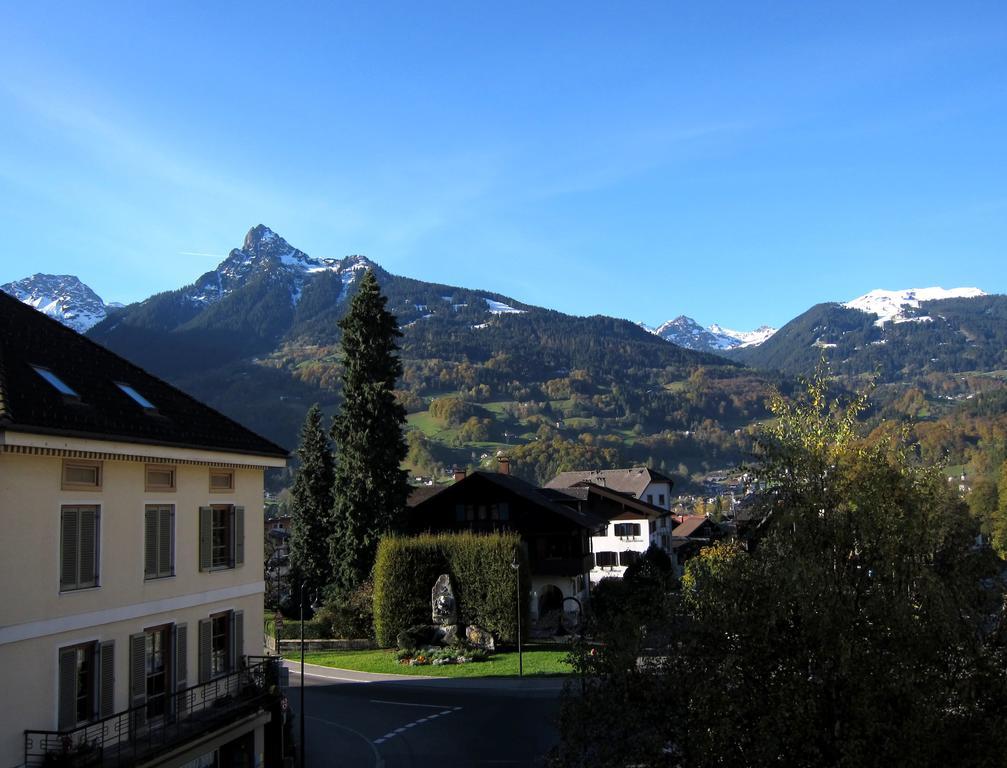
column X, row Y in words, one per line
column 159, row 578
column 74, row 590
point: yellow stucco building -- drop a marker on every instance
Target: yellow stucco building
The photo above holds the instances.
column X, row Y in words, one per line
column 130, row 560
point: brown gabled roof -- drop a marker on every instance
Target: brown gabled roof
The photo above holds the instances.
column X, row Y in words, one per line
column 634, row 480
column 626, row 500
column 102, row 411
column 689, row 526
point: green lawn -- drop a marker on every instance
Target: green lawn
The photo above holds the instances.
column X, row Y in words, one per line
column 426, row 423
column 538, row 661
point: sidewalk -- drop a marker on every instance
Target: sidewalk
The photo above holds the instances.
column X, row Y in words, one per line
column 525, row 685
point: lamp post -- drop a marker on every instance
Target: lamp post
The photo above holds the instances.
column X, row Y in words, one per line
column 302, row 675
column 314, row 607
column 517, row 573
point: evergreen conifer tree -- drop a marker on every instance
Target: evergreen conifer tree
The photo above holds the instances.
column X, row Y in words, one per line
column 311, row 505
column 369, row 492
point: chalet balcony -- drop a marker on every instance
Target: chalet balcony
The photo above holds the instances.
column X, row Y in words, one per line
column 193, row 716
column 562, row 566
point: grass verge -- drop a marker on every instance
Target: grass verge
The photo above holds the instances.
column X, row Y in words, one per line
column 539, row 661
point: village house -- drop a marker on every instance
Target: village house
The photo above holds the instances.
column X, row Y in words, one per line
column 555, row 528
column 642, row 483
column 132, row 574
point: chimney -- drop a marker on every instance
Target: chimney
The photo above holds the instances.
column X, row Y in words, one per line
column 459, row 474
column 503, row 465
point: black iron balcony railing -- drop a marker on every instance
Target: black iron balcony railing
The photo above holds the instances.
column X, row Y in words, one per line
column 136, row 735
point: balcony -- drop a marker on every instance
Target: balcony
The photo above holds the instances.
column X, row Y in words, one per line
column 132, row 738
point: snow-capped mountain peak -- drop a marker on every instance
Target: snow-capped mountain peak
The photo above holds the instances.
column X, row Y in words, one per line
column 890, row 306
column 62, row 297
column 264, row 252
column 686, row 332
column 744, row 338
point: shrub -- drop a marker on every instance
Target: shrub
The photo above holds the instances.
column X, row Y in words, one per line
column 480, row 569
column 418, row 636
column 353, row 617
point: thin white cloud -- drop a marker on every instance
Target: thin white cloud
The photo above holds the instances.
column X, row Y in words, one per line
column 201, row 253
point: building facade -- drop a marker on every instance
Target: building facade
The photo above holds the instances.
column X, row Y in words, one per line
column 131, row 561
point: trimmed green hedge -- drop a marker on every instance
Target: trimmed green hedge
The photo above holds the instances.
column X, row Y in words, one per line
column 479, row 565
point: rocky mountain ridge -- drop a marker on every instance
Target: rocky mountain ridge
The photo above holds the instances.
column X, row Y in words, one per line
column 686, row 332
column 62, row 297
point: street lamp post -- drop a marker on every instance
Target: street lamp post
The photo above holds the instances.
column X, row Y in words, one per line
column 302, row 676
column 517, row 573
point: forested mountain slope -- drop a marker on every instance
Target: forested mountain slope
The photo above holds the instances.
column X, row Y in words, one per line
column 258, row 339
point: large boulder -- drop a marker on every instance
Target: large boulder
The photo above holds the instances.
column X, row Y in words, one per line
column 419, row 636
column 447, row 634
column 443, row 607
column 479, row 638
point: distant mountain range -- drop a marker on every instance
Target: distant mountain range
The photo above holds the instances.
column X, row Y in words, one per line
column 257, row 338
column 686, row 332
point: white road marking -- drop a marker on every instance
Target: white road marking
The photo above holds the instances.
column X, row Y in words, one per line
column 408, row 704
column 413, row 724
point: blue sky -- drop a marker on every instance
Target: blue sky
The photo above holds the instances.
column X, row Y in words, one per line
column 735, row 162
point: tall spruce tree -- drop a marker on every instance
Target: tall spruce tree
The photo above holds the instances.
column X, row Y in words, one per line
column 311, row 506
column 369, row 492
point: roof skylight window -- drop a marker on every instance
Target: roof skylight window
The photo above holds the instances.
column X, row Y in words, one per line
column 136, row 396
column 57, row 383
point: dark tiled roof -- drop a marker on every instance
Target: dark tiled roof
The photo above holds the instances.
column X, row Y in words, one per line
column 103, row 411
column 551, row 501
column 634, row 481
column 421, row 493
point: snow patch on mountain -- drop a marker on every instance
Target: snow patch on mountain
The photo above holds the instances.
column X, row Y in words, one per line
column 499, row 308
column 890, row 306
column 62, row 297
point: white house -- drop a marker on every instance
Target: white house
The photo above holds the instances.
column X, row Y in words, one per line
column 642, row 483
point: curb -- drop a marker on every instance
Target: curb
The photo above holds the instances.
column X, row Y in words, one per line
column 527, row 685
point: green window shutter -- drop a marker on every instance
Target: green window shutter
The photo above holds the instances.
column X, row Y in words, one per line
column 166, row 541
column 205, row 638
column 205, row 539
column 150, row 543
column 239, row 535
column 138, row 676
column 67, row 688
column 69, row 538
column 237, row 639
column 88, row 546
column 181, row 657
column 106, row 691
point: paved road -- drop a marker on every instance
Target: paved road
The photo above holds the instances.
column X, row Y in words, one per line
column 385, row 722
